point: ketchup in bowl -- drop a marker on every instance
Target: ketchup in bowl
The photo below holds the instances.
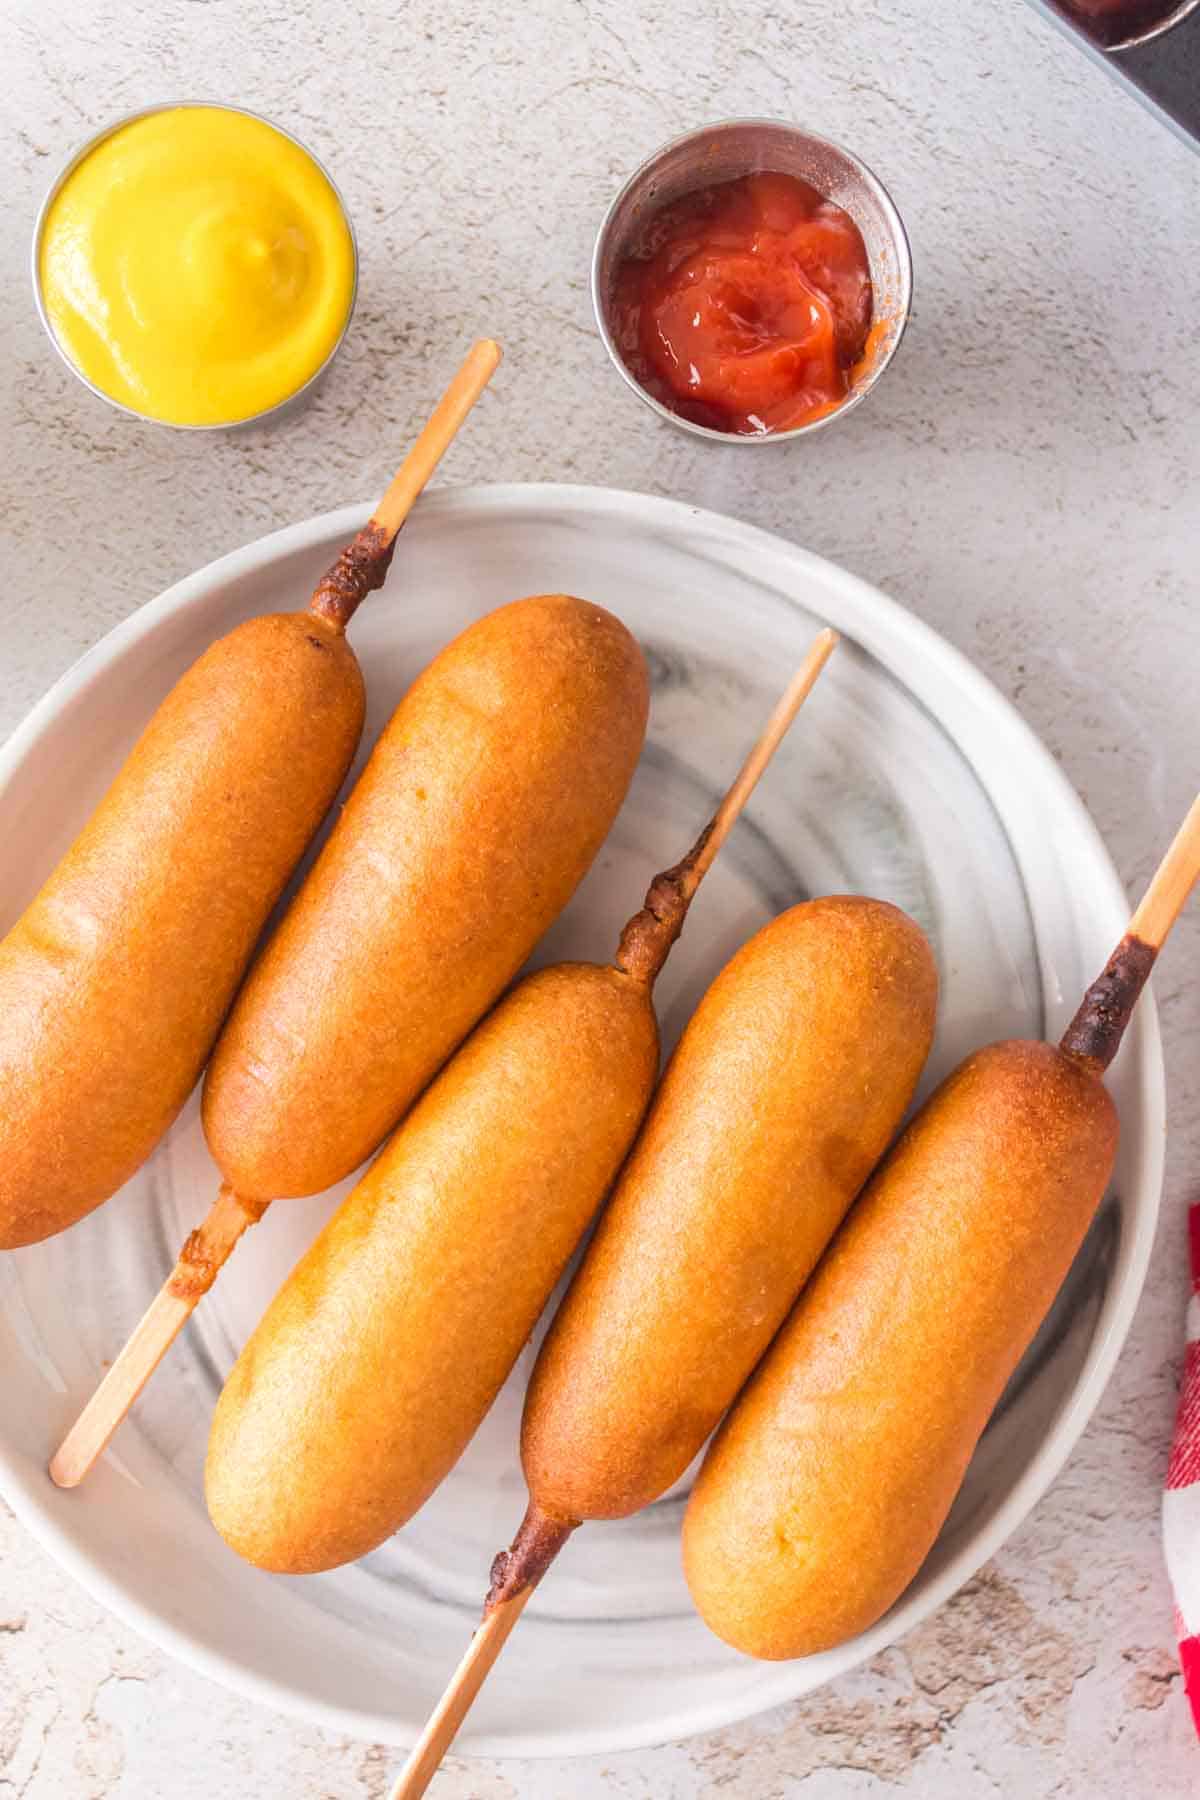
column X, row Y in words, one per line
column 745, row 306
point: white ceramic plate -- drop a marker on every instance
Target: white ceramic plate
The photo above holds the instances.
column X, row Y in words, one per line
column 907, row 776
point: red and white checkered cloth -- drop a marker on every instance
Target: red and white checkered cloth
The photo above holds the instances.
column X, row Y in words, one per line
column 1181, row 1502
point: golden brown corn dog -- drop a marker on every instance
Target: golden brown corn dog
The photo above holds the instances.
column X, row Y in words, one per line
column 828, row 1483
column 784, row 1091
column 481, row 808
column 379, row 1357
column 114, row 982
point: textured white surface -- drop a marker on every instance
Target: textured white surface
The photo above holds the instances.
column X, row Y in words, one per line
column 1024, row 479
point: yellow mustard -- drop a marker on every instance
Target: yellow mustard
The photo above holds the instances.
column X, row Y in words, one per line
column 197, row 266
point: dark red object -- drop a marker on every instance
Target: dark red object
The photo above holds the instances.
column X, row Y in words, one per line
column 1113, row 21
column 745, row 306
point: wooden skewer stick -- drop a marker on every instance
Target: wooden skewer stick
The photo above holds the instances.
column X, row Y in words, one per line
column 749, row 775
column 645, row 943
column 194, row 1273
column 364, row 564
column 1094, row 1034
column 360, row 567
column 439, row 432
column 1171, row 884
column 647, row 939
column 459, row 1697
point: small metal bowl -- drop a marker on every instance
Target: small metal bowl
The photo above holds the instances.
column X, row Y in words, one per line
column 289, row 401
column 737, row 147
column 1146, row 35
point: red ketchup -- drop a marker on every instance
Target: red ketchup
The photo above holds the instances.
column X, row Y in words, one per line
column 745, row 306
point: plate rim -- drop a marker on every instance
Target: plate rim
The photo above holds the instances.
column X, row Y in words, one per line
column 890, row 623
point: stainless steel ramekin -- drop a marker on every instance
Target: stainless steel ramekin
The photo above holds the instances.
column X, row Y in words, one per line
column 1146, row 35
column 280, row 407
column 723, row 152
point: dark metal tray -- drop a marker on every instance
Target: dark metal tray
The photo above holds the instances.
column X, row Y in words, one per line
column 1164, row 74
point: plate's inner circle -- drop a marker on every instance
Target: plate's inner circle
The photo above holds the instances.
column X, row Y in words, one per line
column 869, row 794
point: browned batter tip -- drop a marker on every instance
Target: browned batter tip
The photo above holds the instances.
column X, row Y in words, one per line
column 206, row 1251
column 1094, row 1034
column 523, row 1564
column 647, row 939
column 361, row 566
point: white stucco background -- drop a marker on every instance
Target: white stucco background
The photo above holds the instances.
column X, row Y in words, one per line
column 1025, row 479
